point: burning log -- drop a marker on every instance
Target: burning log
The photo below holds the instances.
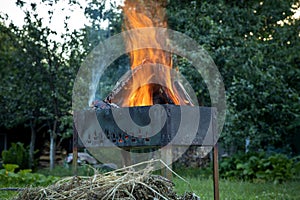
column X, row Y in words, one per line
column 134, row 82
column 99, row 104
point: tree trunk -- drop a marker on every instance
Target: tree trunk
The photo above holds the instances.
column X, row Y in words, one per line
column 32, row 144
column 52, row 150
column 53, row 136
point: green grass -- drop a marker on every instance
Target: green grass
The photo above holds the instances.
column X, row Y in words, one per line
column 235, row 190
column 63, row 171
column 202, row 184
column 239, row 190
column 8, row 194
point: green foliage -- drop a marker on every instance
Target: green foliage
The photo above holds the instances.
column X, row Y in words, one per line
column 10, row 167
column 258, row 59
column 16, row 154
column 37, row 75
column 296, row 166
column 8, row 177
column 259, row 167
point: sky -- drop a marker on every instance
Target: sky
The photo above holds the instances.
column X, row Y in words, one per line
column 76, row 21
column 61, row 10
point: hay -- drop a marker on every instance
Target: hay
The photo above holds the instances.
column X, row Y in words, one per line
column 125, row 183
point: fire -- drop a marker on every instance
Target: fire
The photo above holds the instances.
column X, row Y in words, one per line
column 140, row 14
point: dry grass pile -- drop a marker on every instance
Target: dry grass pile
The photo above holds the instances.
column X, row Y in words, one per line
column 125, row 183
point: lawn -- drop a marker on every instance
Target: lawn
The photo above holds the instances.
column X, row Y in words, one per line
column 241, row 190
column 203, row 187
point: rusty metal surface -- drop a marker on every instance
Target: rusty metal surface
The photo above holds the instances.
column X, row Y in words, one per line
column 111, row 134
column 75, row 150
column 216, row 172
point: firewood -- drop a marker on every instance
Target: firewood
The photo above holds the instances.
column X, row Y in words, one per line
column 160, row 94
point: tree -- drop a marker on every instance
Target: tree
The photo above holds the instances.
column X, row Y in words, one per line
column 258, row 59
column 54, row 76
column 17, row 80
column 38, row 79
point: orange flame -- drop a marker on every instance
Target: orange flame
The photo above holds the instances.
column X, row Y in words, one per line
column 140, row 14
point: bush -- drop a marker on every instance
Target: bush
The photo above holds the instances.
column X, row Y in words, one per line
column 8, row 177
column 16, row 154
column 259, row 167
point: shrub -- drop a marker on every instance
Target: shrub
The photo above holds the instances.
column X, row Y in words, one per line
column 259, row 167
column 8, row 177
column 16, row 154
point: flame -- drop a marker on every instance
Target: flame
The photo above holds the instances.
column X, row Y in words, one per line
column 140, row 14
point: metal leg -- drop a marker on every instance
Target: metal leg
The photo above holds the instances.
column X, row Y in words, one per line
column 75, row 150
column 126, row 157
column 216, row 173
column 167, row 156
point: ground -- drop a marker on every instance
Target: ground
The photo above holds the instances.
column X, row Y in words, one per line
column 203, row 187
